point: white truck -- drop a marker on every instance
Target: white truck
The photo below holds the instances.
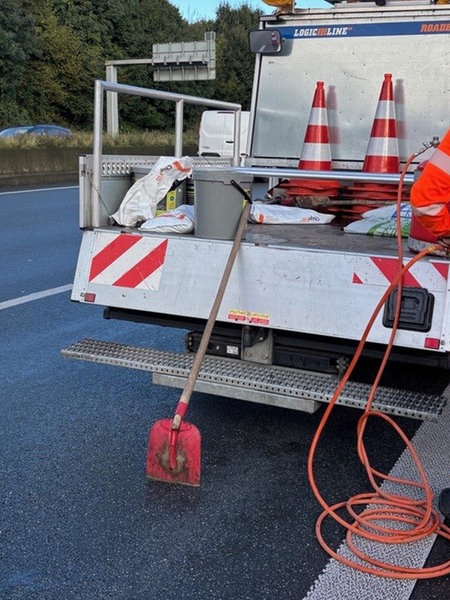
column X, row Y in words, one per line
column 216, row 133
column 299, row 296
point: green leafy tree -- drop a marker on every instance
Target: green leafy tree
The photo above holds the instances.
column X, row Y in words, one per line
column 57, row 84
column 148, row 22
column 16, row 41
column 235, row 62
column 51, row 52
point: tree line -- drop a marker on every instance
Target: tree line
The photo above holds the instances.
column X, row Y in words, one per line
column 51, row 52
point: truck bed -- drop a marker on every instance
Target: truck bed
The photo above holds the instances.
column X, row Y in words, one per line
column 325, row 237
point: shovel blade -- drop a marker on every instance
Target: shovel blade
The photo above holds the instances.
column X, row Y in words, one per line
column 187, row 468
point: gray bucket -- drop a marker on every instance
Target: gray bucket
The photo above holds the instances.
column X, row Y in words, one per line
column 218, row 204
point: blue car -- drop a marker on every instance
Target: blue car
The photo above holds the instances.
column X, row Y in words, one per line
column 51, row 130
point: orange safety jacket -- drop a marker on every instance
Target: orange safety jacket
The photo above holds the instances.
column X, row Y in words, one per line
column 430, row 194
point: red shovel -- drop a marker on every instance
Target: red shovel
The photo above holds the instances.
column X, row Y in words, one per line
column 173, row 453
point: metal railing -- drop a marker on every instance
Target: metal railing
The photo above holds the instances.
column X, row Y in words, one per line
column 347, row 176
column 179, row 99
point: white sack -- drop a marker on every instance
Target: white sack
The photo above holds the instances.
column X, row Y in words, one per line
column 379, row 226
column 383, row 221
column 139, row 203
column 389, row 211
column 287, row 215
column 178, row 220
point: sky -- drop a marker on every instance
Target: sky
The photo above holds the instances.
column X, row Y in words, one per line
column 194, row 10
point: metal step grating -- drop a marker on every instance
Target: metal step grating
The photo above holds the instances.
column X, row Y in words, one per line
column 282, row 381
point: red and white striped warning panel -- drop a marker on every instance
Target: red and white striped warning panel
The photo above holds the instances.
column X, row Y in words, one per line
column 130, row 261
column 376, row 270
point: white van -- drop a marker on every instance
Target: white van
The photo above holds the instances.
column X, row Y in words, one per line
column 216, row 136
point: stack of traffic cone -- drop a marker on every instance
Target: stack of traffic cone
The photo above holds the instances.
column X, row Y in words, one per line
column 382, row 156
column 316, row 156
column 382, row 151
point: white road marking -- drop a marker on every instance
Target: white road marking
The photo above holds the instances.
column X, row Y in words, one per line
column 431, row 441
column 35, row 296
column 67, row 187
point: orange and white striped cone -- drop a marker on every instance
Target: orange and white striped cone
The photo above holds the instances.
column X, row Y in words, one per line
column 316, row 152
column 382, row 154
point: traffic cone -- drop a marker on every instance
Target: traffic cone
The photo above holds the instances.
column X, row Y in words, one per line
column 315, row 156
column 382, row 154
column 316, row 153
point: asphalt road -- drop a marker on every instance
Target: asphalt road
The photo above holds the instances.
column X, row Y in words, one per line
column 79, row 520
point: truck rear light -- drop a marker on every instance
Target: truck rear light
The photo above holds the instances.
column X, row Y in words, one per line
column 89, row 297
column 432, row 343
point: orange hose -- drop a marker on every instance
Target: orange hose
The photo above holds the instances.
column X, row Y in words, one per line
column 417, row 518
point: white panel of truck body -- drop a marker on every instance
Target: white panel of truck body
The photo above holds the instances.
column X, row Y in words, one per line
column 276, row 285
column 350, row 48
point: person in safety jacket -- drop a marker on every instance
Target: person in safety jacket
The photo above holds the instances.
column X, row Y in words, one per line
column 430, row 201
column 430, row 194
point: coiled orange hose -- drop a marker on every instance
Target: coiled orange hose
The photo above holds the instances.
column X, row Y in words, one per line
column 411, row 520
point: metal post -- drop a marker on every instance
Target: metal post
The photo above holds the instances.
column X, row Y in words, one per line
column 97, row 154
column 179, row 108
column 112, row 103
column 237, row 138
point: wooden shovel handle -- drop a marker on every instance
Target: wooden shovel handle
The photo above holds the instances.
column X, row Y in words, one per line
column 192, row 378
